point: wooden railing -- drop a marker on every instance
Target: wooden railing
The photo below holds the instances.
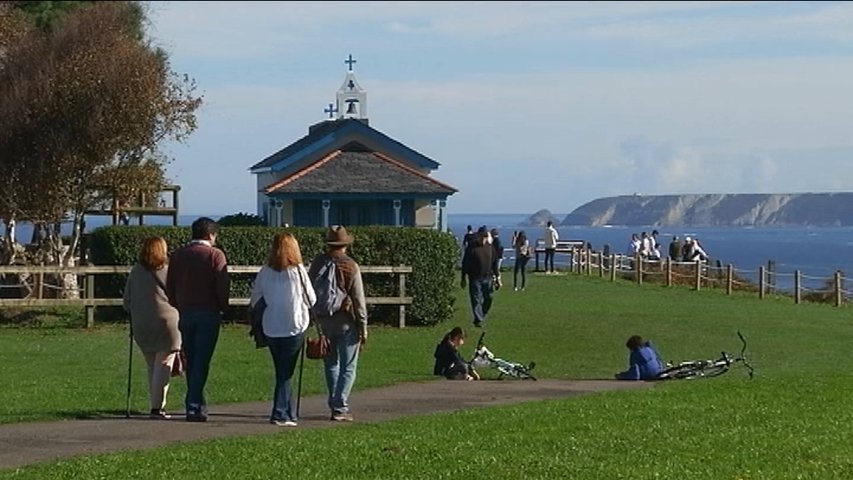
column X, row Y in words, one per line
column 704, row 275
column 85, row 296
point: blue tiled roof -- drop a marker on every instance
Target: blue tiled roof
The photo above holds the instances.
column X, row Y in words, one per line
column 333, row 134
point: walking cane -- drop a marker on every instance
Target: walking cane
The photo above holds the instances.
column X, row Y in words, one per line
column 301, row 369
column 129, row 368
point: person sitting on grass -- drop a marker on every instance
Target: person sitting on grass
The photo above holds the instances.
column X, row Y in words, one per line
column 448, row 361
column 644, row 362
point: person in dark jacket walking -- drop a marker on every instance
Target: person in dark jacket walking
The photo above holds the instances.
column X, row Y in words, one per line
column 469, row 241
column 477, row 266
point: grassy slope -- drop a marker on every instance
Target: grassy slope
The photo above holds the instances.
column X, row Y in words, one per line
column 792, row 421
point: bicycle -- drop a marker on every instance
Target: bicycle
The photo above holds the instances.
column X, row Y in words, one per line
column 708, row 368
column 483, row 357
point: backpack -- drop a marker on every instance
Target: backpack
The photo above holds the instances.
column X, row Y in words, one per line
column 330, row 297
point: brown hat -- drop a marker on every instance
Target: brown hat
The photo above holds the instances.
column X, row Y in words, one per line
column 338, row 236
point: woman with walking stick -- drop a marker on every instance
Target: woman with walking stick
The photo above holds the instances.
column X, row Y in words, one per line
column 153, row 321
column 283, row 285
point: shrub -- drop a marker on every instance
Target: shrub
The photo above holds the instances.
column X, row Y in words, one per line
column 432, row 255
column 241, row 220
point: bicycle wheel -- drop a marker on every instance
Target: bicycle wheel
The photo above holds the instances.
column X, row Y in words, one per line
column 715, row 370
column 683, row 371
column 523, row 373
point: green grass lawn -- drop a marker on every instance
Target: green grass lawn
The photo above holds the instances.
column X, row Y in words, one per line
column 793, row 421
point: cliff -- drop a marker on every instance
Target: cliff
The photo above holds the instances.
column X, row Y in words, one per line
column 711, row 210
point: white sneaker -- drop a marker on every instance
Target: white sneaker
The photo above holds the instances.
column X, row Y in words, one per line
column 283, row 423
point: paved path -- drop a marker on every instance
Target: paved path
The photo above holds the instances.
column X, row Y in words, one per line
column 29, row 443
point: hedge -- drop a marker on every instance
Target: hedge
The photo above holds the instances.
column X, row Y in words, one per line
column 432, row 255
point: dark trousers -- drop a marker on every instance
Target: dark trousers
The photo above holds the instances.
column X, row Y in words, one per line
column 520, row 267
column 285, row 355
column 457, row 371
column 480, row 291
column 199, row 333
column 549, row 257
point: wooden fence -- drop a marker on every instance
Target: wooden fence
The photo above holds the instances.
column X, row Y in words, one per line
column 33, row 285
column 700, row 275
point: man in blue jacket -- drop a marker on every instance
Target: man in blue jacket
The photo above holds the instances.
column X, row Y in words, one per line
column 644, row 362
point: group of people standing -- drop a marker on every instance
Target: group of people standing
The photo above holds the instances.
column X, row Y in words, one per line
column 690, row 250
column 648, row 248
column 176, row 305
column 482, row 257
column 645, row 245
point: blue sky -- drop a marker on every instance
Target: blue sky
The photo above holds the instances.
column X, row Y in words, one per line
column 527, row 105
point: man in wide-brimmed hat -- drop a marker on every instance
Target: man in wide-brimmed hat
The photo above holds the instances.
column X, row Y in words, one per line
column 346, row 328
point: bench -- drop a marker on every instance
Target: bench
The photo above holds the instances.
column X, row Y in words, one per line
column 563, row 247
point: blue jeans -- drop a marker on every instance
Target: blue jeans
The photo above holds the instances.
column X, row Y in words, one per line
column 480, row 292
column 285, row 354
column 199, row 333
column 520, row 266
column 549, row 259
column 340, row 367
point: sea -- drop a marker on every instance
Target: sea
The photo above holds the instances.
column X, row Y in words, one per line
column 817, row 252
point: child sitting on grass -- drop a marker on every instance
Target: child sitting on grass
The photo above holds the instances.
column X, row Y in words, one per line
column 644, row 362
column 448, row 361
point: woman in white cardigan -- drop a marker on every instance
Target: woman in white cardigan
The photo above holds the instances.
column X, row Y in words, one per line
column 283, row 284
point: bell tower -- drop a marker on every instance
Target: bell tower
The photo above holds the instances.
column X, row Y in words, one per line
column 351, row 98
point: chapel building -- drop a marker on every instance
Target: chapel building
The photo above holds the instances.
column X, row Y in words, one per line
column 345, row 172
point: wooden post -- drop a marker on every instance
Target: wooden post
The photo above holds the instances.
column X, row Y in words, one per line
column 90, row 294
column 668, row 272
column 577, row 261
column 839, row 294
column 613, row 267
column 574, row 261
column 39, row 285
column 771, row 277
column 175, row 205
column 402, row 321
column 141, row 204
column 798, row 294
column 730, row 278
column 114, row 209
column 600, row 257
column 761, row 280
column 639, row 262
column 588, row 261
column 698, row 275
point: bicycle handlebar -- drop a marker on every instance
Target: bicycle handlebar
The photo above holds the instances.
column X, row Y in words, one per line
column 743, row 341
column 749, row 367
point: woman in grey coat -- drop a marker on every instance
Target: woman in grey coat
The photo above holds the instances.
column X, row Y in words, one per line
column 153, row 320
